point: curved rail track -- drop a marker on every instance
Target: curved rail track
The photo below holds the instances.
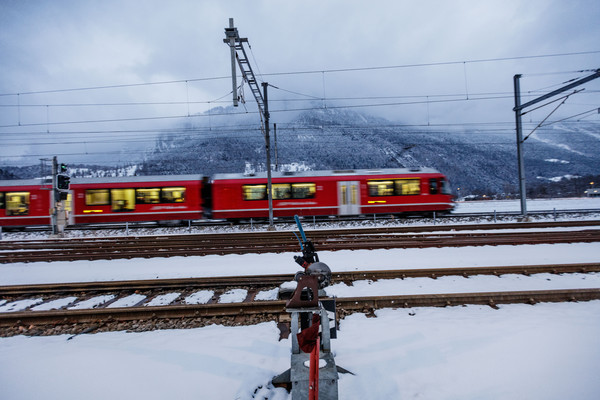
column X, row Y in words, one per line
column 285, row 241
column 140, row 316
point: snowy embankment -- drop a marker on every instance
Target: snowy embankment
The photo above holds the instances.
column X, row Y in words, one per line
column 545, row 351
column 575, row 203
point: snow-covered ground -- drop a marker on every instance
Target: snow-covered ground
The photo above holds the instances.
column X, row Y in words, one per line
column 545, row 351
column 575, row 203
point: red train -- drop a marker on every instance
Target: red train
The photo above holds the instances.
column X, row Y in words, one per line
column 230, row 196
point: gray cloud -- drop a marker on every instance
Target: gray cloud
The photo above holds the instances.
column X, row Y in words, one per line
column 75, row 44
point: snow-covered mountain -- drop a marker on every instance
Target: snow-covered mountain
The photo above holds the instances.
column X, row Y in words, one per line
column 476, row 160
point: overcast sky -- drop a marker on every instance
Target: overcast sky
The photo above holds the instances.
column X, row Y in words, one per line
column 437, row 62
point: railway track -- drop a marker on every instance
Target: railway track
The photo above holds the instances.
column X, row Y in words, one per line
column 143, row 315
column 453, row 216
column 285, row 241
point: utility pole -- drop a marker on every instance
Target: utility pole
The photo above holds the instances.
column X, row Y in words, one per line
column 518, row 109
column 268, row 151
column 232, row 35
column 275, row 140
column 54, row 196
column 520, row 159
column 238, row 52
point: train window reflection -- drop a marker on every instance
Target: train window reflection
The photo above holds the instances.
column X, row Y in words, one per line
column 281, row 191
column 1, row 200
column 303, row 190
column 381, row 188
column 147, row 196
column 254, row 192
column 122, row 199
column 433, row 186
column 406, row 187
column 394, row 187
column 172, row 195
column 17, row 203
column 97, row 197
column 445, row 186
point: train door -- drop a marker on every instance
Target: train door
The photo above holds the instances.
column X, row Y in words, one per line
column 349, row 197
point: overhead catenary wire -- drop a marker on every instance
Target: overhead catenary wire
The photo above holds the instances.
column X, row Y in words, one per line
column 184, row 116
column 366, row 101
column 332, row 70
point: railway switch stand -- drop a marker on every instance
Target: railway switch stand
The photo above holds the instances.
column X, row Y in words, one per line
column 313, row 373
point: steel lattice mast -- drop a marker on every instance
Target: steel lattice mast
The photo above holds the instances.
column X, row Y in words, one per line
column 238, row 53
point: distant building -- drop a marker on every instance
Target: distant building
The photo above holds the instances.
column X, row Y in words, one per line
column 592, row 192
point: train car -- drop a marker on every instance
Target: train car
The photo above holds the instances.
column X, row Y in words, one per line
column 315, row 193
column 136, row 199
column 25, row 203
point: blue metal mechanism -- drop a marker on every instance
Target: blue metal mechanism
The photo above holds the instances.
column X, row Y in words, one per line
column 309, row 254
column 297, row 219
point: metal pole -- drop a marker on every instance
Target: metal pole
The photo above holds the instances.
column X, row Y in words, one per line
column 275, row 140
column 268, row 151
column 313, row 374
column 519, row 112
column 519, row 127
column 232, row 33
column 53, row 196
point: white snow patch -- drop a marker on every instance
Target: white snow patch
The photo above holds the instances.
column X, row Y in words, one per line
column 163, row 299
column 555, row 144
column 20, row 305
column 200, row 297
column 55, row 304
column 233, row 296
column 128, row 301
column 93, row 302
column 272, row 294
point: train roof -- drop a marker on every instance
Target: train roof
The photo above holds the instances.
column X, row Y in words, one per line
column 148, row 178
column 118, row 179
column 26, row 182
column 347, row 172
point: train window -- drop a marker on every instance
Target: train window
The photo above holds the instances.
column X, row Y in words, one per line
column 122, row 199
column 147, row 196
column 445, row 186
column 254, row 192
column 407, row 187
column 303, row 190
column 433, row 186
column 17, row 203
column 381, row 188
column 97, row 197
column 172, row 195
column 1, row 200
column 281, row 191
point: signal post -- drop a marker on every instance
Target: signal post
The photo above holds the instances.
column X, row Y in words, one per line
column 61, row 182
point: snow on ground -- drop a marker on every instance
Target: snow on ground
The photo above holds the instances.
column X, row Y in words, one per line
column 546, row 351
column 575, row 203
column 283, row 263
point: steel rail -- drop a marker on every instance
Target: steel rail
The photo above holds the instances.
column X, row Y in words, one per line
column 261, row 281
column 233, row 237
column 198, row 245
column 366, row 217
column 277, row 308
